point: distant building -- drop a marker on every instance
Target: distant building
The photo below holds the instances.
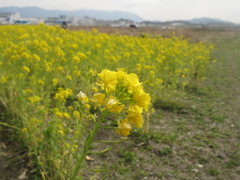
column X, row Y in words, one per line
column 8, row 17
column 21, row 22
column 14, row 18
column 123, row 23
column 57, row 20
column 82, row 21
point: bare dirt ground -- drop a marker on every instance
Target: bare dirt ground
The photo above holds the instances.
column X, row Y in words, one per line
column 195, row 137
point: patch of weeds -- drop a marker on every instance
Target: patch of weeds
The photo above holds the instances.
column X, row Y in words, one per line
column 154, row 136
column 127, row 156
column 196, row 90
column 213, row 172
column 180, row 127
column 170, row 105
column 215, row 133
column 238, row 112
column 121, row 169
column 166, row 162
column 218, row 118
column 203, row 141
column 232, row 164
column 202, row 160
column 160, row 175
column 142, row 173
column 165, row 151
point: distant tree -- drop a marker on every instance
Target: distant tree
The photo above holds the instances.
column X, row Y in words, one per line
column 133, row 26
column 64, row 25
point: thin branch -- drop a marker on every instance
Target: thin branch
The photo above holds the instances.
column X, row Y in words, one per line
column 95, row 170
column 111, row 141
column 68, row 147
column 107, row 127
column 100, row 152
column 8, row 125
column 106, row 175
column 58, row 168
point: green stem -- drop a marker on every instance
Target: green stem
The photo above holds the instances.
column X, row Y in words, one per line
column 100, row 152
column 8, row 125
column 67, row 147
column 108, row 127
column 105, row 176
column 111, row 141
column 58, row 168
column 88, row 142
column 95, row 170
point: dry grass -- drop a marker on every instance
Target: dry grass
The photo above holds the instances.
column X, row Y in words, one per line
column 195, row 35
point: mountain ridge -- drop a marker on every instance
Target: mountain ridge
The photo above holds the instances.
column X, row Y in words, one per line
column 37, row 12
column 44, row 13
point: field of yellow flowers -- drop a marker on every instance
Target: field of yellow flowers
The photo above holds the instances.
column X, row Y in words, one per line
column 62, row 85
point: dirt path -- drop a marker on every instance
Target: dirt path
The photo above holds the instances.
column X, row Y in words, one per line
column 225, row 82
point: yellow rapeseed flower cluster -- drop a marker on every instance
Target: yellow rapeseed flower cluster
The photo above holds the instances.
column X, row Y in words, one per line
column 122, row 92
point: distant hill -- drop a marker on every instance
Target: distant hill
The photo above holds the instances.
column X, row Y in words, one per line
column 107, row 15
column 197, row 21
column 43, row 13
column 208, row 21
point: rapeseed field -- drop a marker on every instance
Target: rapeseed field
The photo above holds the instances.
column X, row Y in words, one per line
column 63, row 86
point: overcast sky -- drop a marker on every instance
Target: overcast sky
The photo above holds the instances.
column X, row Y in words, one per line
column 161, row 10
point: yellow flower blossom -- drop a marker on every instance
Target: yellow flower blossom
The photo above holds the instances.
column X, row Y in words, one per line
column 124, row 128
column 131, row 81
column 82, row 97
column 135, row 108
column 113, row 105
column 77, row 73
column 91, row 72
column 27, row 91
column 62, row 94
column 81, row 55
column 26, row 69
column 55, row 82
column 94, row 89
column 76, row 114
column 59, row 68
column 41, row 82
column 98, row 98
column 3, row 79
column 69, row 77
column 109, row 80
column 24, row 130
column 34, row 99
column 61, row 132
column 76, row 59
column 20, row 76
column 59, row 114
column 136, row 119
column 66, row 115
column 36, row 58
column 143, row 100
